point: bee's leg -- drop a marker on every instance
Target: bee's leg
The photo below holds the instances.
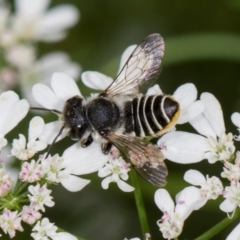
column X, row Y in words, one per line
column 87, row 141
column 106, row 147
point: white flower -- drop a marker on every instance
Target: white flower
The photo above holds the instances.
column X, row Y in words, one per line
column 10, row 221
column 33, row 146
column 5, row 182
column 31, row 172
column 232, row 195
column 12, row 111
column 235, row 234
column 171, row 224
column 41, row 71
column 44, row 230
column 214, row 145
column 39, row 197
column 116, row 170
column 211, row 188
column 53, row 62
column 75, row 161
column 30, row 215
column 232, row 171
column 21, row 55
column 52, row 168
column 32, row 21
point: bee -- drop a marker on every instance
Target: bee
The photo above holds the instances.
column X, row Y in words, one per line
column 122, row 117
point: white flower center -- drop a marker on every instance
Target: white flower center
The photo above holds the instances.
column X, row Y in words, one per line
column 220, row 149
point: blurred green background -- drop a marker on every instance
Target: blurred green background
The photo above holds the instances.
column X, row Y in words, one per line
column 202, row 46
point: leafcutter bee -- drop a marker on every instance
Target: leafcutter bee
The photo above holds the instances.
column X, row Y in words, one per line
column 122, row 117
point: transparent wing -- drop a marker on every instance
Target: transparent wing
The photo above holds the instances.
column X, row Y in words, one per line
column 142, row 66
column 146, row 158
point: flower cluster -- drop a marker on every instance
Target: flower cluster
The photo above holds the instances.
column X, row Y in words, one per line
column 21, row 30
column 12, row 194
column 26, row 199
column 215, row 145
column 212, row 143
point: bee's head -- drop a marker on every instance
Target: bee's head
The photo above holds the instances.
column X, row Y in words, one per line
column 74, row 117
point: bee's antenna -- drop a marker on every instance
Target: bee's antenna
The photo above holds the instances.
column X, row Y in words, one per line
column 46, row 109
column 54, row 140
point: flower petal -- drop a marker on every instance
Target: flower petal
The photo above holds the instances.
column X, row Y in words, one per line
column 50, row 131
column 80, row 160
column 17, row 113
column 227, row 206
column 126, row 54
column 63, row 236
column 202, row 125
column 186, row 99
column 7, row 101
column 191, row 112
column 56, row 62
column 163, row 200
column 235, row 234
column 236, row 119
column 36, row 146
column 154, row 90
column 105, row 171
column 50, row 37
column 194, row 177
column 53, row 20
column 31, row 9
column 186, row 201
column 96, row 80
column 74, row 183
column 213, row 113
column 64, row 86
column 183, row 147
column 105, row 182
column 125, row 187
column 35, row 128
column 44, row 95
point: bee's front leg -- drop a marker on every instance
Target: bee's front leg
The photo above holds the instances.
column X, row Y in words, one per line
column 106, row 147
column 87, row 141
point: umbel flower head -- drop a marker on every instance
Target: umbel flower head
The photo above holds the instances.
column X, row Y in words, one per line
column 172, row 221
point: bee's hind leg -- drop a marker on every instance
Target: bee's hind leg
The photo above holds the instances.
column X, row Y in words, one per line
column 106, row 147
column 87, row 141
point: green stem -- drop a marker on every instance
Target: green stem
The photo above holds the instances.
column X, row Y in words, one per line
column 20, row 188
column 219, row 227
column 140, row 204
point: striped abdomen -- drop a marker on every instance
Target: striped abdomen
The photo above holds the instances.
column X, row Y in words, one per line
column 150, row 115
